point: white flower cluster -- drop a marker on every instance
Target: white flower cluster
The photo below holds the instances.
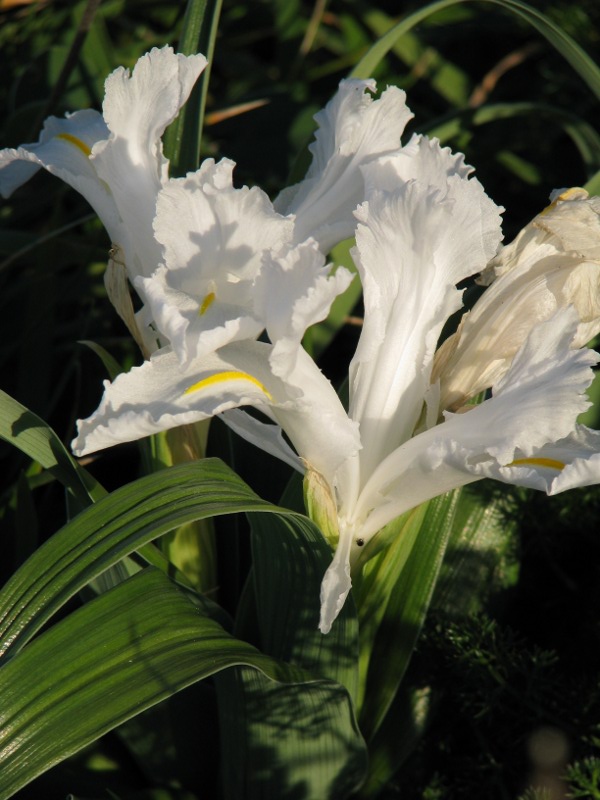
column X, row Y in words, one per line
column 216, row 266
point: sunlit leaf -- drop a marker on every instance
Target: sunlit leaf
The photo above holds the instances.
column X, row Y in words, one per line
column 110, row 530
column 30, row 434
column 120, row 654
column 183, row 137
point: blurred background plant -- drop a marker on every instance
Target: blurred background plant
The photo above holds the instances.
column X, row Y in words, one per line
column 522, row 653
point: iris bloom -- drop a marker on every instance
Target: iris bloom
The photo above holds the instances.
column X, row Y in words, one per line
column 231, row 266
column 115, row 159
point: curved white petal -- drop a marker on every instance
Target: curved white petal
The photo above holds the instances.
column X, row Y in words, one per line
column 336, row 584
column 160, row 394
column 413, row 245
column 116, row 161
column 535, row 405
column 294, row 290
column 137, row 109
column 556, row 467
column 214, row 237
column 64, row 150
column 316, row 423
column 353, row 129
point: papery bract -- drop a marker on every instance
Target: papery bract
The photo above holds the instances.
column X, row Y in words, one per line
column 553, row 262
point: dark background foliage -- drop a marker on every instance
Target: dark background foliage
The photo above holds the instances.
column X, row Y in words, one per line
column 520, row 661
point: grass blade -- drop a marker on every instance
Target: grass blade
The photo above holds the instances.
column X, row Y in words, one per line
column 561, row 41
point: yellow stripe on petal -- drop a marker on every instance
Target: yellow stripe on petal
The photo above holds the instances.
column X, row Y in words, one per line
column 206, row 303
column 224, row 377
column 574, row 193
column 549, row 463
column 68, row 137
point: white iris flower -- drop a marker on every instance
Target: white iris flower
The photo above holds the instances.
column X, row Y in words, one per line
column 230, row 266
column 115, row 159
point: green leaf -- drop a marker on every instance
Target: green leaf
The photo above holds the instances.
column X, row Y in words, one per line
column 562, row 42
column 192, row 547
column 183, row 137
column 111, row 365
column 121, row 653
column 111, row 529
column 583, row 135
column 289, row 558
column 286, row 740
column 380, row 578
column 30, row 434
column 458, row 526
column 410, row 591
column 447, row 78
column 593, row 185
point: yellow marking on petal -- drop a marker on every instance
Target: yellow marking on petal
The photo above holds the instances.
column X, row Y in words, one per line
column 550, row 463
column 223, row 377
column 574, row 193
column 207, row 303
column 68, row 137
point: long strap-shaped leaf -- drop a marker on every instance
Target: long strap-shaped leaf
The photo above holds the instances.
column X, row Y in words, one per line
column 198, row 35
column 288, row 740
column 392, row 719
column 30, row 434
column 111, row 529
column 289, row 559
column 123, row 652
column 565, row 45
column 584, row 136
column 301, row 740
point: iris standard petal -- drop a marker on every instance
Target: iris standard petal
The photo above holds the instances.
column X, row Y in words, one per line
column 213, row 237
column 414, row 244
column 353, row 129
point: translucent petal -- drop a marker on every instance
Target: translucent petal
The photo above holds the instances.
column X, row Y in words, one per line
column 536, row 275
column 353, row 129
column 535, row 405
column 414, row 243
column 214, row 237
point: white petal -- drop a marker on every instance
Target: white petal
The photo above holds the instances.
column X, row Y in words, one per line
column 192, row 330
column 536, row 276
column 556, row 467
column 536, row 404
column 214, row 237
column 317, row 423
column 137, row 108
column 353, row 129
column 336, row 584
column 294, row 290
column 159, row 394
column 413, row 245
column 64, row 150
column 116, row 162
column 545, row 384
